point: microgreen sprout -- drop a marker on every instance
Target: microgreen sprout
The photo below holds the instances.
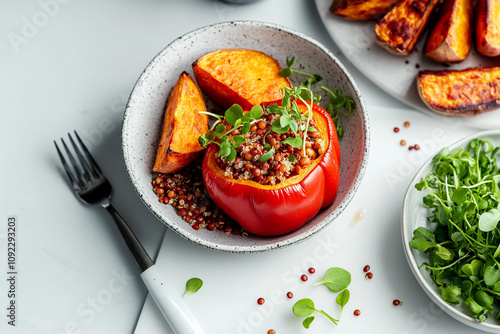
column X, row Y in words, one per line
column 336, row 280
column 193, row 285
column 338, row 102
column 312, row 79
column 463, row 247
column 291, row 119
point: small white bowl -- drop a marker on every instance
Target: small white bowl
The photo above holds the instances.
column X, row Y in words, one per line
column 145, row 109
column 414, row 215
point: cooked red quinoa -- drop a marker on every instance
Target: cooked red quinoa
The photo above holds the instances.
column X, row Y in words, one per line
column 286, row 162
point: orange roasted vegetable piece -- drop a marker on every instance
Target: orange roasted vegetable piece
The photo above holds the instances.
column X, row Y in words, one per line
column 450, row 39
column 399, row 29
column 239, row 76
column 460, row 92
column 182, row 126
column 362, row 9
column 488, row 27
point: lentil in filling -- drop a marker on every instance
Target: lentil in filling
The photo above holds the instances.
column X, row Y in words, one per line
column 286, row 162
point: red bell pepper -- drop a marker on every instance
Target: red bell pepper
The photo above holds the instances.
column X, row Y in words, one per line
column 270, row 210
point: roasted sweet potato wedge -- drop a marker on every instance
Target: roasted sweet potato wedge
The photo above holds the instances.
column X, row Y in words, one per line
column 361, row 9
column 398, row 31
column 488, row 27
column 182, row 126
column 450, row 39
column 239, row 76
column 460, row 92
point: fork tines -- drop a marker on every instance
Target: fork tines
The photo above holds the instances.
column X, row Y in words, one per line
column 79, row 173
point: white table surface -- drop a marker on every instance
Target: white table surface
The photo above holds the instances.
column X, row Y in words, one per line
column 71, row 64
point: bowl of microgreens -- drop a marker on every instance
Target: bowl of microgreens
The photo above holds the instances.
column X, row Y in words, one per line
column 450, row 230
column 306, row 64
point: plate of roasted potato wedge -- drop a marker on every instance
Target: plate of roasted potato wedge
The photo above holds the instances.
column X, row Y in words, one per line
column 221, row 146
column 411, row 50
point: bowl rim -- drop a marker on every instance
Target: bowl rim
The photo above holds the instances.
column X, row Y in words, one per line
column 281, row 243
column 412, row 262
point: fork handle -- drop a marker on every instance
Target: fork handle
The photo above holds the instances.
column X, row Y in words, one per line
column 140, row 254
column 170, row 303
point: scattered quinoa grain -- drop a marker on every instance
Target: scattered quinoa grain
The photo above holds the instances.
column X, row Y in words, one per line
column 304, row 278
column 357, row 312
column 397, row 302
column 261, row 301
column 369, row 275
column 271, row 331
column 417, row 147
column 366, row 268
column 311, row 270
column 396, row 129
column 402, row 142
column 289, row 295
column 406, row 124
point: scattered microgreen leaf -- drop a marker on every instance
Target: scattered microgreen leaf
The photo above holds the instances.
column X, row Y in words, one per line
column 462, row 242
column 336, row 279
column 339, row 103
column 193, row 285
column 305, row 308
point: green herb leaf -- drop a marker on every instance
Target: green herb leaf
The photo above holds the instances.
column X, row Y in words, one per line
column 193, row 285
column 266, row 156
column 202, row 140
column 336, row 279
column 303, row 308
column 256, row 112
column 488, row 221
column 232, row 155
column 225, row 149
column 342, row 299
column 234, row 113
column 450, row 293
column 295, row 142
column 245, row 128
column 307, row 322
column 238, row 140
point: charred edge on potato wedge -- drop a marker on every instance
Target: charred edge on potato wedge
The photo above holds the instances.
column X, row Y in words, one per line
column 398, row 31
column 182, row 126
column 239, row 76
column 488, row 27
column 450, row 38
column 361, row 9
column 460, row 92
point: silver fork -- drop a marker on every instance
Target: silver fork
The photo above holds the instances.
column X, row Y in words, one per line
column 91, row 186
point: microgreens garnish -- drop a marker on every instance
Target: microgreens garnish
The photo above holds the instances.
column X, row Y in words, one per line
column 312, row 79
column 291, row 119
column 337, row 280
column 193, row 285
column 338, row 102
column 463, row 248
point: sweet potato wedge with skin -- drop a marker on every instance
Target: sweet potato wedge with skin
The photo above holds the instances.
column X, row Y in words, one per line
column 450, row 39
column 399, row 29
column 239, row 76
column 488, row 27
column 361, row 9
column 460, row 92
column 182, row 126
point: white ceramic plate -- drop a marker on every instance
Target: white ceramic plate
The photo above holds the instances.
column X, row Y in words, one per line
column 144, row 116
column 414, row 215
column 396, row 75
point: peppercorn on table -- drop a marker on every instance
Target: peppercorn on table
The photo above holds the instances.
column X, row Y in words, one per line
column 71, row 65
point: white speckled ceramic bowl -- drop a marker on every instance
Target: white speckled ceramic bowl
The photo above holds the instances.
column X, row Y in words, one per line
column 414, row 215
column 144, row 117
